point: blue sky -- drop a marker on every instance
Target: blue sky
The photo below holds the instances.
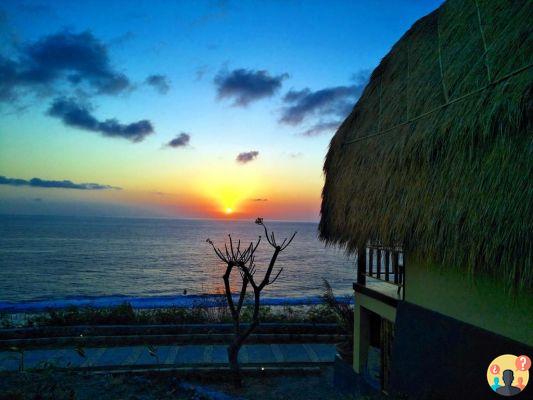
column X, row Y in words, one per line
column 250, row 92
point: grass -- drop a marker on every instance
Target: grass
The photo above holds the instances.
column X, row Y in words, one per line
column 56, row 385
column 126, row 315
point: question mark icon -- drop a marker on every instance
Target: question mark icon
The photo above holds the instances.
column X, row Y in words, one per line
column 495, row 369
column 522, row 363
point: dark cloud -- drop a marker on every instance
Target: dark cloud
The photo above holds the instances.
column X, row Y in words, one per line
column 329, row 101
column 247, row 156
column 42, row 183
column 181, row 140
column 159, row 82
column 258, row 199
column 245, row 86
column 79, row 116
column 334, row 101
column 8, row 77
column 201, row 71
column 81, row 56
column 321, row 128
column 46, row 65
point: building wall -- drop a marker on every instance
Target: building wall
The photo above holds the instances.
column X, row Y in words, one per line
column 438, row 357
column 482, row 302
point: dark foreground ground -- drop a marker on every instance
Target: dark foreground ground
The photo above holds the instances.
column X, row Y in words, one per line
column 50, row 384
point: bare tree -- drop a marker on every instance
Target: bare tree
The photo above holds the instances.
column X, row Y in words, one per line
column 244, row 262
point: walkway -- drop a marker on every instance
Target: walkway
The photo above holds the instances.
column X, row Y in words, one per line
column 186, row 356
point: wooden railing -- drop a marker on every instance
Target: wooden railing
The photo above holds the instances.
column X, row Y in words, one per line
column 383, row 263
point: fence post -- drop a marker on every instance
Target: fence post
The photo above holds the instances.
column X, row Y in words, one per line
column 395, row 266
column 387, row 265
column 361, row 265
column 378, row 274
column 370, row 265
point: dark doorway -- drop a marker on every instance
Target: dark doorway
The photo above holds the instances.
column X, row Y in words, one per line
column 387, row 338
column 378, row 366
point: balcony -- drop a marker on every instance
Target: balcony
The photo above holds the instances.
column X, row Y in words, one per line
column 381, row 273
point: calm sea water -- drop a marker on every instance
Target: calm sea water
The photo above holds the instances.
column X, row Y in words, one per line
column 53, row 258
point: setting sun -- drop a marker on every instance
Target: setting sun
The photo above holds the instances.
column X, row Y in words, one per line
column 229, row 210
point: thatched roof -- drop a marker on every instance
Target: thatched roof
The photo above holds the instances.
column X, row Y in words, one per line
column 451, row 182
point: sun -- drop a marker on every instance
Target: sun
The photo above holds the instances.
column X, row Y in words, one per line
column 229, row 210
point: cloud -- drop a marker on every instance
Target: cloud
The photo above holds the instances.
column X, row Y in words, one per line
column 42, row 183
column 201, row 71
column 159, row 82
column 296, row 155
column 8, row 75
column 79, row 116
column 321, row 127
column 333, row 101
column 258, row 199
column 247, row 156
column 52, row 62
column 245, row 86
column 362, row 76
column 181, row 140
column 306, row 103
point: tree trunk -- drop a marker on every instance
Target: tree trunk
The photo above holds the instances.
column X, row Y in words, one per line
column 233, row 358
column 240, row 338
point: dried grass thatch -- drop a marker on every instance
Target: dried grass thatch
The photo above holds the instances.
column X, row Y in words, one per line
column 455, row 183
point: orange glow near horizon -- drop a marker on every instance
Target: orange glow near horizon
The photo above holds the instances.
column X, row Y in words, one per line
column 221, row 192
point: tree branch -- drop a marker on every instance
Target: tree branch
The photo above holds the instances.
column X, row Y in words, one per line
column 227, row 290
column 276, row 277
column 243, row 293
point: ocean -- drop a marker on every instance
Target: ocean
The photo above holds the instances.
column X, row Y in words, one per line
column 59, row 261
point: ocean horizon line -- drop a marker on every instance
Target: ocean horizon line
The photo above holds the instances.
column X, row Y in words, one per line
column 164, row 218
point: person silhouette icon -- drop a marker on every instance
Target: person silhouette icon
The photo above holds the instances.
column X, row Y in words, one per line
column 508, row 390
column 496, row 383
column 520, row 383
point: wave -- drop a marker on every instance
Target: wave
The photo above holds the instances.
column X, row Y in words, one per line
column 182, row 301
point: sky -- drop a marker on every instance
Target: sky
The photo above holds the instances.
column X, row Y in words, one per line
column 204, row 109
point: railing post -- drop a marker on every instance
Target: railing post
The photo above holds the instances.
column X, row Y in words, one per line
column 387, row 265
column 361, row 265
column 395, row 266
column 399, row 270
column 370, row 265
column 403, row 276
column 378, row 274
